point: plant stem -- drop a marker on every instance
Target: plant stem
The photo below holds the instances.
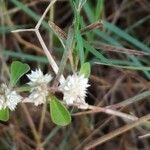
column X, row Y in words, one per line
column 42, row 118
column 49, row 56
column 33, row 128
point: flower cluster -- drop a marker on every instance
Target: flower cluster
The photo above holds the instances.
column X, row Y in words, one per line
column 74, row 89
column 39, row 88
column 8, row 98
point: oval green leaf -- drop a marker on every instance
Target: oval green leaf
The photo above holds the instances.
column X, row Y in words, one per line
column 17, row 70
column 59, row 113
column 85, row 70
column 4, row 114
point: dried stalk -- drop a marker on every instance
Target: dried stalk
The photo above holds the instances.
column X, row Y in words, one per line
column 95, row 109
column 33, row 128
column 46, row 51
column 116, row 132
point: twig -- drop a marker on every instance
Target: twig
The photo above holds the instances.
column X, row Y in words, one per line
column 49, row 56
column 23, row 30
column 42, row 118
column 47, row 53
column 95, row 109
column 45, row 12
column 21, row 40
column 93, row 26
column 32, row 126
column 116, row 132
column 106, row 47
column 144, row 136
column 51, row 18
column 132, row 100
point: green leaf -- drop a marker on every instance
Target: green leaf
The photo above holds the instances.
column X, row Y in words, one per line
column 4, row 114
column 17, row 70
column 78, row 37
column 125, row 67
column 59, row 114
column 23, row 56
column 85, row 70
column 80, row 46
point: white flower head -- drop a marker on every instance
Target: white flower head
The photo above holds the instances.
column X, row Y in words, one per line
column 74, row 89
column 39, row 88
column 36, row 78
column 38, row 95
column 8, row 98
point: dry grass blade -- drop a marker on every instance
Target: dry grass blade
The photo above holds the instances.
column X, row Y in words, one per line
column 32, row 126
column 144, row 136
column 63, row 35
column 57, row 30
column 116, row 132
column 93, row 26
column 95, row 109
column 44, row 14
column 132, row 100
column 106, row 47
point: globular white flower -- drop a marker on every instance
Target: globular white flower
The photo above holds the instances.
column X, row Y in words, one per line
column 39, row 88
column 74, row 89
column 8, row 98
column 37, row 78
column 38, row 95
